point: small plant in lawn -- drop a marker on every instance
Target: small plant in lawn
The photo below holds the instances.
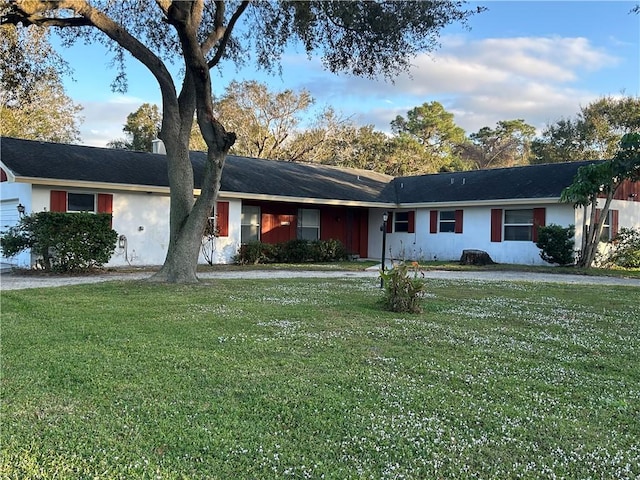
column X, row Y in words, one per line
column 404, row 287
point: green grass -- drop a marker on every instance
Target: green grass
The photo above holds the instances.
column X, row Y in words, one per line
column 310, row 379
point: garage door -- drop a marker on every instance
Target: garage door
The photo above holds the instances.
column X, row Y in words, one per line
column 8, row 216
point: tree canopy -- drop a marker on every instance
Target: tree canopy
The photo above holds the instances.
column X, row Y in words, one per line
column 594, row 133
column 375, row 38
column 142, row 127
column 33, row 103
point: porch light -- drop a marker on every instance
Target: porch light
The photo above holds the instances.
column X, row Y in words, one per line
column 21, row 209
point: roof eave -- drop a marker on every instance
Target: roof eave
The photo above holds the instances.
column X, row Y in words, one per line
column 483, row 203
column 57, row 182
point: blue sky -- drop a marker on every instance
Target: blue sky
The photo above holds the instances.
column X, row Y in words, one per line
column 539, row 61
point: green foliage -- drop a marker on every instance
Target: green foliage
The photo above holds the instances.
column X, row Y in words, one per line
column 506, row 146
column 328, row 250
column 556, row 243
column 66, row 241
column 33, row 103
column 403, row 288
column 435, row 130
column 142, row 127
column 254, row 253
column 625, row 251
column 593, row 134
column 293, row 251
column 591, row 181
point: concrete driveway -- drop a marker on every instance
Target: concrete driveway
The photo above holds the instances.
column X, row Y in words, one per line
column 11, row 281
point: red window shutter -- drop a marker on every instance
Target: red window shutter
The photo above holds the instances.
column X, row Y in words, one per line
column 412, row 222
column 539, row 219
column 105, row 203
column 614, row 223
column 222, row 218
column 390, row 223
column 496, row 224
column 433, row 221
column 598, row 212
column 58, row 202
column 3, row 175
column 458, row 225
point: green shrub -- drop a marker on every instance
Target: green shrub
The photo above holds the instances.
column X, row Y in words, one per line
column 625, row 250
column 293, row 251
column 328, row 251
column 65, row 241
column 556, row 244
column 403, row 289
column 254, row 253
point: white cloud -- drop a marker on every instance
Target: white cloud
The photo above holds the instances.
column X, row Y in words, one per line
column 539, row 79
column 482, row 82
column 103, row 120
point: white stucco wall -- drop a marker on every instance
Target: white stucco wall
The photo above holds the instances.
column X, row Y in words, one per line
column 225, row 248
column 144, row 221
column 140, row 219
column 426, row 246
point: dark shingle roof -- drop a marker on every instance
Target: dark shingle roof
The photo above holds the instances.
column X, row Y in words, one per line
column 27, row 158
column 533, row 181
column 252, row 176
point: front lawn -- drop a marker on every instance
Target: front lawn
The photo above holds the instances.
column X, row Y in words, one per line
column 240, row 379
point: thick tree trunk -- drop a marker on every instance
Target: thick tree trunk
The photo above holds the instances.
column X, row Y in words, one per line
column 185, row 229
column 594, row 231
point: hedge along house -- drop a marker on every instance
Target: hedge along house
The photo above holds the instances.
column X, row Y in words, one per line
column 431, row 216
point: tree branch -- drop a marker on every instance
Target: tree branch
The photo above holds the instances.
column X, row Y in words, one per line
column 227, row 33
column 17, row 17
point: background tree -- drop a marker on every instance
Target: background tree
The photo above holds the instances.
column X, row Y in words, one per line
column 33, row 104
column 364, row 38
column 593, row 134
column 506, row 146
column 142, row 127
column 352, row 146
column 599, row 180
column 264, row 121
column 433, row 127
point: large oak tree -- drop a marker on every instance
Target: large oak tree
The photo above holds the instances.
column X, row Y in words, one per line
column 363, row 38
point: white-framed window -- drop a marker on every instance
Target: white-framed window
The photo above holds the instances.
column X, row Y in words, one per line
column 518, row 225
column 250, row 224
column 401, row 222
column 447, row 222
column 81, row 202
column 309, row 224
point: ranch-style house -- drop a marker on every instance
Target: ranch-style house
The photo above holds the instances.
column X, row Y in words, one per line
column 434, row 216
